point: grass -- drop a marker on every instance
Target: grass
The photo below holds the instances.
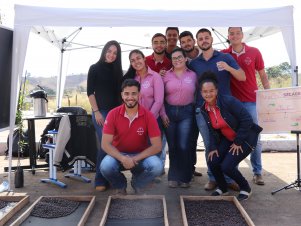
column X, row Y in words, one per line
column 73, row 99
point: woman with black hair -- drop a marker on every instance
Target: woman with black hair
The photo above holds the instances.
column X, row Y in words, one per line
column 233, row 135
column 152, row 88
column 103, row 90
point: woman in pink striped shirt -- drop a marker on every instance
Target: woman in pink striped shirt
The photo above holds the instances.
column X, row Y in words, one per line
column 152, row 88
column 180, row 85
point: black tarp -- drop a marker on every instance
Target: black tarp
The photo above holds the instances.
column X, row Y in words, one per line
column 6, row 44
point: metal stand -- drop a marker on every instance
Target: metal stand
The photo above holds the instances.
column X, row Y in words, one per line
column 52, row 168
column 297, row 183
column 77, row 172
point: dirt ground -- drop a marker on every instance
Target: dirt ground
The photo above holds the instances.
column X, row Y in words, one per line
column 282, row 208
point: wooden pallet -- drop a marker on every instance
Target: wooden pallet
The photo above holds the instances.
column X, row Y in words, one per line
column 21, row 202
column 225, row 198
column 134, row 197
column 90, row 199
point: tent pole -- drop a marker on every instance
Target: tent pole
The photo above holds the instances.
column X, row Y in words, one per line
column 297, row 77
column 59, row 79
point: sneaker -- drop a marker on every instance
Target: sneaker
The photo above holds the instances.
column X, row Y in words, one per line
column 197, row 174
column 184, row 185
column 244, row 195
column 100, row 188
column 120, row 191
column 210, row 185
column 234, row 186
column 257, row 179
column 219, row 192
column 172, row 184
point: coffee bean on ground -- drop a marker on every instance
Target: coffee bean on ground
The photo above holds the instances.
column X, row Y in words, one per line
column 2, row 204
column 135, row 209
column 213, row 212
column 51, row 207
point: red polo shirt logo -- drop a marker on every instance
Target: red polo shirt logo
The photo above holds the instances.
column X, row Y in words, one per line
column 140, row 131
column 248, row 60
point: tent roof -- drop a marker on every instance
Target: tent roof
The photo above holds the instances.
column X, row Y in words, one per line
column 88, row 37
column 50, row 16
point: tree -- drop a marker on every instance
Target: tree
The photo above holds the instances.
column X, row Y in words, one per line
column 281, row 70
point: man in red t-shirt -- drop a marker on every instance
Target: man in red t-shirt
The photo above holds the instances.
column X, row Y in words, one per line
column 158, row 61
column 131, row 138
column 250, row 60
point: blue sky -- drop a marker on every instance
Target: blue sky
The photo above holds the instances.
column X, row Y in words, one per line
column 45, row 62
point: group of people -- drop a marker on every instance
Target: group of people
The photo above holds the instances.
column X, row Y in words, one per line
column 174, row 95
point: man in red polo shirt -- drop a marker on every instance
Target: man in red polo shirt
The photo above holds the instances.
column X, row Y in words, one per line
column 250, row 60
column 158, row 61
column 131, row 138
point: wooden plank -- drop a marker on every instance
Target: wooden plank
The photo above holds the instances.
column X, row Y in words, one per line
column 243, row 212
column 87, row 212
column 90, row 199
column 21, row 202
column 232, row 199
column 105, row 213
column 134, row 197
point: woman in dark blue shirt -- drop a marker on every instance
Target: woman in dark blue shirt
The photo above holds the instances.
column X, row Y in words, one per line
column 233, row 135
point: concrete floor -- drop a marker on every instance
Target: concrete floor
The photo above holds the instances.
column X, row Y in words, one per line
column 282, row 208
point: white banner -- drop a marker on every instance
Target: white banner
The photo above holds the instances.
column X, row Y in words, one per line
column 279, row 110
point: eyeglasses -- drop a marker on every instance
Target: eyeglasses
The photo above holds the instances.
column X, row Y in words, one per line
column 180, row 57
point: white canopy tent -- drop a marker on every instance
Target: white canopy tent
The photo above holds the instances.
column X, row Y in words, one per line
column 66, row 39
column 27, row 17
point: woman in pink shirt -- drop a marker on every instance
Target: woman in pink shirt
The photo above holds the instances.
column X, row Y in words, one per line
column 152, row 88
column 180, row 85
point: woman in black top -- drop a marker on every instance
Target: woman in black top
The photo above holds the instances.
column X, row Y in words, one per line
column 103, row 90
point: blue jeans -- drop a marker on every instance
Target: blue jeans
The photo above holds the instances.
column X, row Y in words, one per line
column 194, row 142
column 162, row 154
column 99, row 179
column 178, row 136
column 204, row 131
column 226, row 164
column 256, row 154
column 143, row 173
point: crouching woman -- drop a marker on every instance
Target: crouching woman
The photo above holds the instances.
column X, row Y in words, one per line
column 233, row 135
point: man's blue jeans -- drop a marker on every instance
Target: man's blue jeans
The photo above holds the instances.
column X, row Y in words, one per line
column 255, row 156
column 204, row 131
column 99, row 179
column 143, row 173
column 178, row 135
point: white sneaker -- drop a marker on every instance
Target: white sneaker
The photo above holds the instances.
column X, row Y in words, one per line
column 4, row 186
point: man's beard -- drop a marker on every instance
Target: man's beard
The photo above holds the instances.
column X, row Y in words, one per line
column 160, row 53
column 131, row 105
column 189, row 50
column 205, row 48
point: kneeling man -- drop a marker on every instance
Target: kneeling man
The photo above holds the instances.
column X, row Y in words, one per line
column 131, row 138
